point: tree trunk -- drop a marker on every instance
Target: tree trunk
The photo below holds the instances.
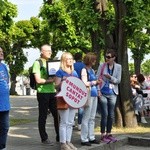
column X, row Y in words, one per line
column 125, row 113
column 13, row 85
column 137, row 65
column 95, row 44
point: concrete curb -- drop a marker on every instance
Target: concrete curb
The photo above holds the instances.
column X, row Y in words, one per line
column 139, row 141
column 123, row 140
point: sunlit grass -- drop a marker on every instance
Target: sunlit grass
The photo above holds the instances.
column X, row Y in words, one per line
column 139, row 129
column 136, row 130
column 14, row 122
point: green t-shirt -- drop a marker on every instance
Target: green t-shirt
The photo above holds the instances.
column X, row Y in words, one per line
column 43, row 88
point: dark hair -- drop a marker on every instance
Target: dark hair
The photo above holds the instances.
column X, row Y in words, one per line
column 140, row 78
column 78, row 56
column 112, row 52
column 89, row 58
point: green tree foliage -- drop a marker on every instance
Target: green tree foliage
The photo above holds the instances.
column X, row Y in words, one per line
column 131, row 68
column 21, row 33
column 138, row 20
column 60, row 25
column 8, row 12
column 13, row 38
column 73, row 23
column 146, row 67
column 36, row 39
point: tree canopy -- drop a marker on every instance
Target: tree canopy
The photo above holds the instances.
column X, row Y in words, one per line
column 83, row 25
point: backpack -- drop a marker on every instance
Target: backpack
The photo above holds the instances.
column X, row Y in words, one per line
column 31, row 75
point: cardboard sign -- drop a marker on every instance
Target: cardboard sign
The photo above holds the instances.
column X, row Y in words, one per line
column 74, row 92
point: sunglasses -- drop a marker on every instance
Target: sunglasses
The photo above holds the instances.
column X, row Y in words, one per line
column 134, row 76
column 108, row 57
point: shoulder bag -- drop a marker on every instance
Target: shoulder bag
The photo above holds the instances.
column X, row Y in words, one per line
column 61, row 104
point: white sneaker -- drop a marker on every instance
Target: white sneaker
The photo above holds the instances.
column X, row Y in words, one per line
column 72, row 147
column 65, row 147
column 98, row 115
column 136, row 112
column 143, row 120
column 79, row 127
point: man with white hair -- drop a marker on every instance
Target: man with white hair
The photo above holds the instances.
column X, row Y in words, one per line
column 45, row 95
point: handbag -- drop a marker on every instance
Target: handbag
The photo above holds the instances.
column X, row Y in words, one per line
column 61, row 104
column 87, row 104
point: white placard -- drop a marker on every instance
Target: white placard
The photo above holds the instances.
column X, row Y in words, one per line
column 74, row 92
column 52, row 67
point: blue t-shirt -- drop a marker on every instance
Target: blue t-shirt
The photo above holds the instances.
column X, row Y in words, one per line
column 78, row 67
column 60, row 73
column 92, row 77
column 107, row 88
column 4, row 88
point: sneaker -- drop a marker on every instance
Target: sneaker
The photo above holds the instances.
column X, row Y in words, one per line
column 136, row 112
column 143, row 120
column 104, row 139
column 72, row 147
column 94, row 141
column 65, row 147
column 85, row 143
column 112, row 138
column 79, row 127
column 48, row 142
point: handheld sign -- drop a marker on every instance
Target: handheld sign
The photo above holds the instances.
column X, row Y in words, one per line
column 52, row 67
column 74, row 92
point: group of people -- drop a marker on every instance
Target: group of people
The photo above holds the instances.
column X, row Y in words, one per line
column 138, row 84
column 102, row 84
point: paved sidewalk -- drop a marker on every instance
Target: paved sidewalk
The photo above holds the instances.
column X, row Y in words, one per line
column 26, row 136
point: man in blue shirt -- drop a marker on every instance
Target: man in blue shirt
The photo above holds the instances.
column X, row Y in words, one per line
column 4, row 102
column 78, row 65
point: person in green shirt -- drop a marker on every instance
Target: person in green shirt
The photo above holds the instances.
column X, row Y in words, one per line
column 45, row 95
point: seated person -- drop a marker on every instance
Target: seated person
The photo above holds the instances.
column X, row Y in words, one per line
column 142, row 82
column 137, row 99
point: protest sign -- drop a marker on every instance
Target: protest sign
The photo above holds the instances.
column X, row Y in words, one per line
column 74, row 92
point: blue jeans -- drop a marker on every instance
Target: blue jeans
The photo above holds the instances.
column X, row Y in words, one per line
column 4, row 127
column 107, row 106
column 80, row 115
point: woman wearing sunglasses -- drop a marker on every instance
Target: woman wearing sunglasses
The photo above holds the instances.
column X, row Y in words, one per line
column 110, row 73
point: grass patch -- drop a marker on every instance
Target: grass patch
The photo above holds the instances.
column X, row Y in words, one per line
column 136, row 130
column 139, row 129
column 14, row 122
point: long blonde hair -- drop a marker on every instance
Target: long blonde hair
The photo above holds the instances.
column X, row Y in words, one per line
column 63, row 61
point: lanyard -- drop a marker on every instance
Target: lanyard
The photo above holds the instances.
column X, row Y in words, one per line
column 110, row 71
